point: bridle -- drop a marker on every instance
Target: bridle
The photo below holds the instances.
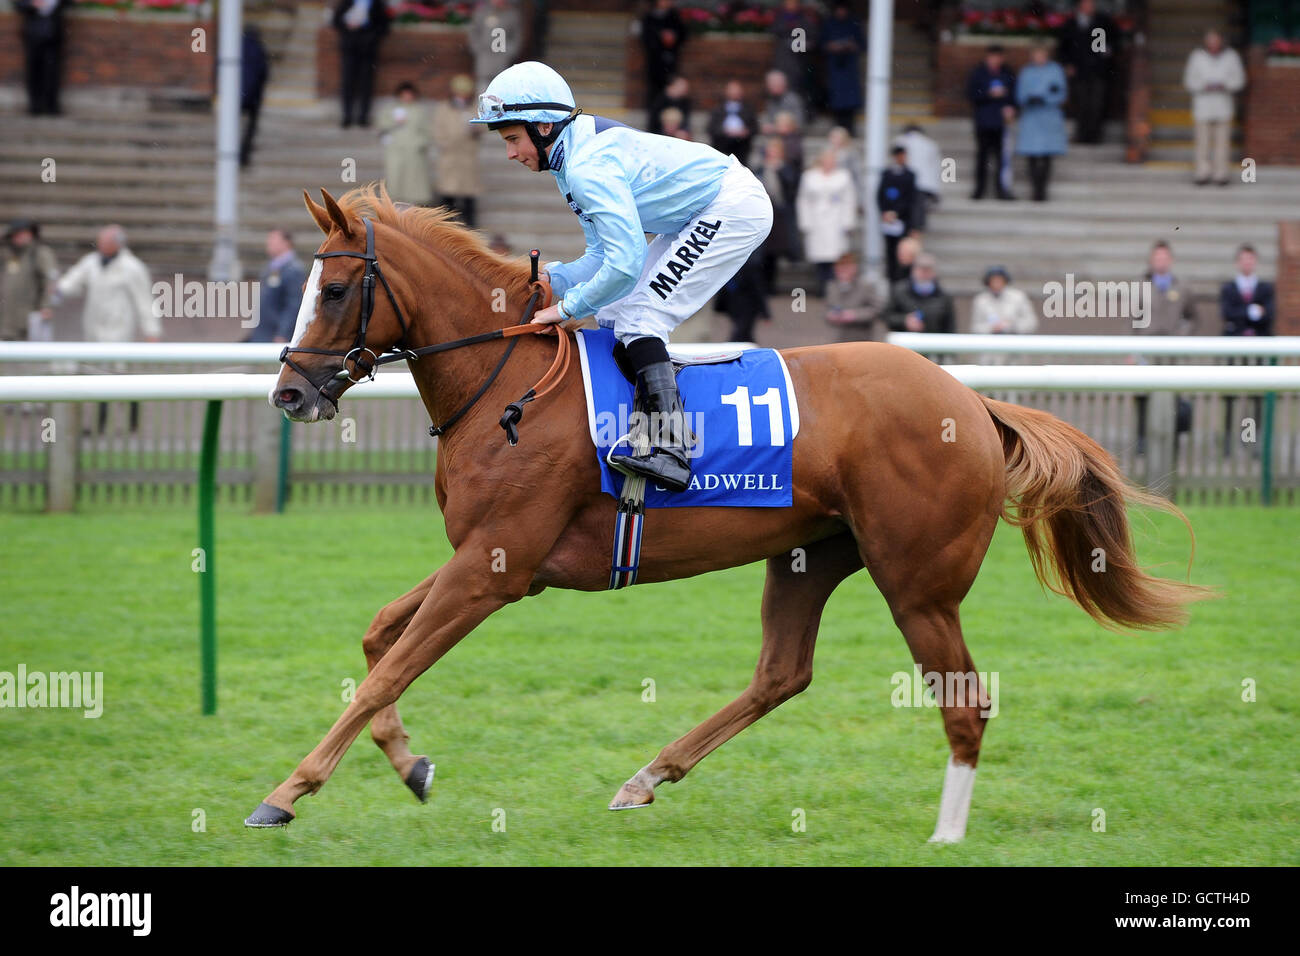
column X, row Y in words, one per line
column 399, row 350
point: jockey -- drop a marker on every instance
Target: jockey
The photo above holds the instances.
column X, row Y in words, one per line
column 707, row 213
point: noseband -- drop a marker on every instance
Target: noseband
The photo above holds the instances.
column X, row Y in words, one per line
column 399, row 350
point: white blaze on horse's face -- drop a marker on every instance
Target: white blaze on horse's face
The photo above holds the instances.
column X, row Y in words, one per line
column 307, row 309
column 306, row 314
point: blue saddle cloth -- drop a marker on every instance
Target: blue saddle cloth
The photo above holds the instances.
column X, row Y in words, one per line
column 743, row 414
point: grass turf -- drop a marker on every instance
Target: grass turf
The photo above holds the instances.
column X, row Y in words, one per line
column 536, row 719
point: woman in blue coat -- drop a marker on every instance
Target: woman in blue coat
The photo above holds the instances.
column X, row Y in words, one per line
column 1040, row 93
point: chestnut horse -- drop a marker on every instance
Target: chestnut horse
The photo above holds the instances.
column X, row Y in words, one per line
column 898, row 468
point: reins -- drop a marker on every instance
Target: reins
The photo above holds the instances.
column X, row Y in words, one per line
column 398, row 351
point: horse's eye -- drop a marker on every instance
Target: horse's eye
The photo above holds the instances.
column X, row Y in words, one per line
column 335, row 291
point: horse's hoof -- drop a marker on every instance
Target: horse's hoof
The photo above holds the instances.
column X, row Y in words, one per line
column 632, row 797
column 420, row 779
column 266, row 816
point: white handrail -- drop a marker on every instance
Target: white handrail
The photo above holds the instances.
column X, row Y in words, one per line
column 931, row 343
column 1234, row 379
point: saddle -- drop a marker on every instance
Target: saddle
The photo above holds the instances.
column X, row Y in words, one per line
column 679, row 361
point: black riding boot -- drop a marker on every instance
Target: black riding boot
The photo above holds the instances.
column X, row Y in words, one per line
column 667, row 463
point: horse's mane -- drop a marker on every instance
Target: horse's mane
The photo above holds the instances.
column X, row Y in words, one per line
column 438, row 229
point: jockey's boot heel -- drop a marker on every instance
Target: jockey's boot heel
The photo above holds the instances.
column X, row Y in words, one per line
column 668, row 461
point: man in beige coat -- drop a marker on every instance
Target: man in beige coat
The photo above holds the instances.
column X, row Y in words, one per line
column 119, row 296
column 1213, row 75
column 405, row 131
column 119, row 299
column 456, row 140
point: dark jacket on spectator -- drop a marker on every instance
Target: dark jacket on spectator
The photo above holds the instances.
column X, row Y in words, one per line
column 988, row 109
column 375, row 27
column 725, row 144
column 1075, row 45
column 935, row 309
column 278, row 306
column 662, row 102
column 897, row 192
column 1235, row 309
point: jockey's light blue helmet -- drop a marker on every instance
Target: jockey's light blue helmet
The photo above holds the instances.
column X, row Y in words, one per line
column 528, row 93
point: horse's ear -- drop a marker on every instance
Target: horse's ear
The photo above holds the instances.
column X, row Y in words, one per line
column 318, row 212
column 336, row 214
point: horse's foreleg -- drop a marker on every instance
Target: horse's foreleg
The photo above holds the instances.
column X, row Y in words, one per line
column 386, row 726
column 462, row 596
column 795, row 593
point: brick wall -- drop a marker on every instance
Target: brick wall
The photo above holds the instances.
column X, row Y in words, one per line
column 708, row 60
column 426, row 56
column 151, row 53
column 956, row 60
column 1288, row 278
column 1272, row 111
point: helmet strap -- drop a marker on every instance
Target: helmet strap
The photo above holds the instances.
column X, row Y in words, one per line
column 541, row 142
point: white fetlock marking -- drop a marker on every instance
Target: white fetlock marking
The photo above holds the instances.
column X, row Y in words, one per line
column 954, row 805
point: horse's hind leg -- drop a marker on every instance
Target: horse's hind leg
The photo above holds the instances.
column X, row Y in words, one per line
column 793, row 598
column 386, row 726
column 934, row 637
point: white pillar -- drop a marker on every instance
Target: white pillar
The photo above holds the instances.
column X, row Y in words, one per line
column 224, row 265
column 880, row 51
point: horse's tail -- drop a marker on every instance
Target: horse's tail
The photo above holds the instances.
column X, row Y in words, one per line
column 1070, row 498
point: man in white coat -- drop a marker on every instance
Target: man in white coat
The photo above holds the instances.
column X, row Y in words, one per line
column 119, row 298
column 1213, row 74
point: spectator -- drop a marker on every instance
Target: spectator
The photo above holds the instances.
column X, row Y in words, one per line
column 896, row 200
column 671, row 124
column 924, row 161
column 1002, row 308
column 496, row 36
column 30, row 270
column 846, row 154
column 1040, row 93
column 1247, row 305
column 991, row 90
column 918, row 304
column 781, row 180
column 253, row 72
column 1247, row 301
column 119, row 299
column 786, row 129
column 780, row 99
column 42, row 34
column 744, row 298
column 677, row 95
column 406, row 132
column 733, row 123
column 843, row 44
column 852, row 303
column 826, row 211
column 794, row 37
column 1172, row 312
column 361, row 25
column 909, row 247
column 1088, row 57
column 662, row 36
column 456, row 141
column 1213, row 74
column 281, row 290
